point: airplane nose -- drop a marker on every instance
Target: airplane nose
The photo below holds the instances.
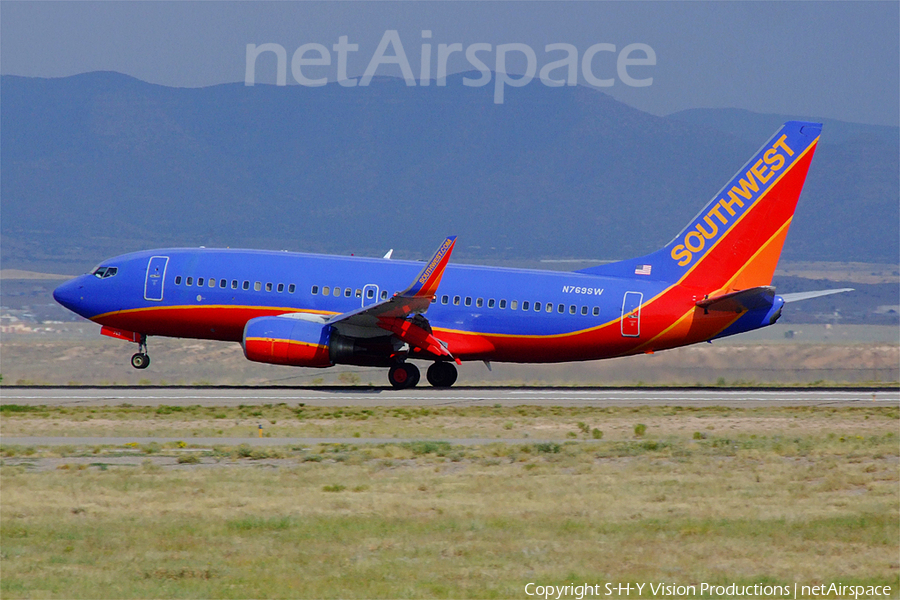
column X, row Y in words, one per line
column 69, row 294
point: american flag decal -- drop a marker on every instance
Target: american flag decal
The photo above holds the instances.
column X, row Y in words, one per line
column 642, row 270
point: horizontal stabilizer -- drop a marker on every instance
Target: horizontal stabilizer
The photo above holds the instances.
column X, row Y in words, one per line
column 807, row 295
column 749, row 299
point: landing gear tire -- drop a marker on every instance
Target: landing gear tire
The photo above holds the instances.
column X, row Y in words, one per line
column 404, row 375
column 140, row 361
column 441, row 374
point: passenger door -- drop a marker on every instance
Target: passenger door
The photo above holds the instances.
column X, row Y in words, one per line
column 156, row 275
column 631, row 314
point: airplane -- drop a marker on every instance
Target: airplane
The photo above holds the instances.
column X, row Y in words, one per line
column 713, row 280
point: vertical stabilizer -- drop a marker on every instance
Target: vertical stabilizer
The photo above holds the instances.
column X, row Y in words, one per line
column 735, row 241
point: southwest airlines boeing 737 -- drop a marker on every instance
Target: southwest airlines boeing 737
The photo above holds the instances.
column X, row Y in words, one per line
column 713, row 280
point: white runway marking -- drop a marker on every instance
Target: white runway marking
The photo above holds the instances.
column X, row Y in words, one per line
column 603, row 397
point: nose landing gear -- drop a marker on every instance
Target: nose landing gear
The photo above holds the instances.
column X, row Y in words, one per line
column 141, row 359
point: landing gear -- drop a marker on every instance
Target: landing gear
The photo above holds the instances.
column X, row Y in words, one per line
column 141, row 360
column 404, row 375
column 441, row 374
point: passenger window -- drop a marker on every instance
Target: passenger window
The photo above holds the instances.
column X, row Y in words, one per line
column 572, row 309
column 212, row 282
column 584, row 310
column 326, row 290
column 199, row 282
column 445, row 299
column 178, row 280
column 479, row 302
column 370, row 293
column 280, row 287
column 384, row 294
column 291, row 288
column 268, row 287
column 234, row 284
column 549, row 307
column 513, row 304
column 257, row 286
column 223, row 283
column 246, row 285
column 490, row 303
column 190, row 281
column 596, row 311
column 315, row 290
column 468, row 301
column 337, row 291
column 434, row 299
column 502, row 304
column 359, row 293
column 561, row 309
column 537, row 307
column 525, row 305
column 347, row 292
column 455, row 300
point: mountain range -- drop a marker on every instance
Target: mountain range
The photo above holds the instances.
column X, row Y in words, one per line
column 102, row 163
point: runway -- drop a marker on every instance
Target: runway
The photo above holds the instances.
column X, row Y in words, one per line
column 460, row 396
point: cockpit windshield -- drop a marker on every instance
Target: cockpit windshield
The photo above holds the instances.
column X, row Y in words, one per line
column 104, row 272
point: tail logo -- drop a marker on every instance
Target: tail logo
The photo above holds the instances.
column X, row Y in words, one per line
column 742, row 194
column 436, row 260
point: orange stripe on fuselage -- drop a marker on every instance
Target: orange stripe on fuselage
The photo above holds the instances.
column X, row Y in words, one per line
column 210, row 322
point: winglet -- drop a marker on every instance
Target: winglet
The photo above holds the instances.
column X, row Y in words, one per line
column 426, row 283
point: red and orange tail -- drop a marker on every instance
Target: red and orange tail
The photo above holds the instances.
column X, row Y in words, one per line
column 735, row 241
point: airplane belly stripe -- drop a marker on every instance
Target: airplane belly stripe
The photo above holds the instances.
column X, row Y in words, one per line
column 188, row 307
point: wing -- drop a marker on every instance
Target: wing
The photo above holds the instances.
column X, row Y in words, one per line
column 392, row 315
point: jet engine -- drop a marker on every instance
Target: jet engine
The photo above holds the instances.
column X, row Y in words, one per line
column 302, row 343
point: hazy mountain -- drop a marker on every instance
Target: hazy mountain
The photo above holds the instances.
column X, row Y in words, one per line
column 102, row 163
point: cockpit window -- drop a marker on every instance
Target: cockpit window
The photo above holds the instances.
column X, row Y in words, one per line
column 104, row 272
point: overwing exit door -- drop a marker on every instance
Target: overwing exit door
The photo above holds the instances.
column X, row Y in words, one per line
column 369, row 294
column 631, row 314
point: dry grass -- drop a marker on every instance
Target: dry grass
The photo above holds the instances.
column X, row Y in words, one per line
column 759, row 502
column 523, row 422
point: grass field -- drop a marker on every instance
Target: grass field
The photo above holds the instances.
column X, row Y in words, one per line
column 721, row 496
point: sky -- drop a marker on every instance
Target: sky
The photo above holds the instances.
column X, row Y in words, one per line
column 838, row 60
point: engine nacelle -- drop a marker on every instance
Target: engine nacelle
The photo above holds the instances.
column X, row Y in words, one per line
column 286, row 341
column 302, row 343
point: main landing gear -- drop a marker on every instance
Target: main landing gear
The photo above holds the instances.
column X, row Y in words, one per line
column 141, row 360
column 403, row 375
column 406, row 375
column 441, row 374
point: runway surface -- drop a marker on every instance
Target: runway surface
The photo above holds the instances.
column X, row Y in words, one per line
column 461, row 396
